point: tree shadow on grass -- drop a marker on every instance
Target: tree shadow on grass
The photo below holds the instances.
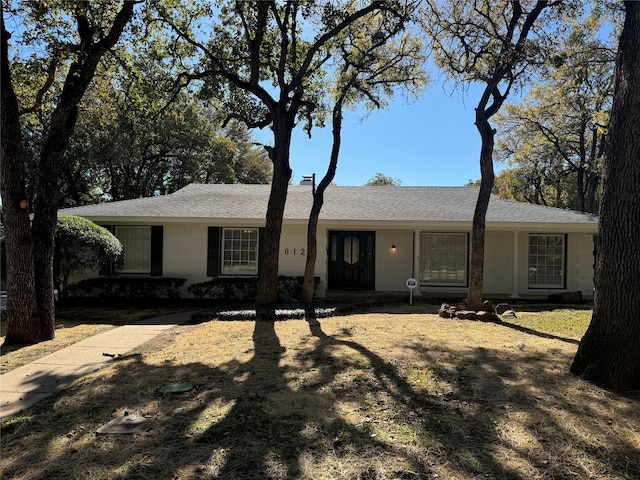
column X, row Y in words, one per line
column 531, row 331
column 244, row 420
column 276, row 418
column 537, row 415
column 288, row 429
column 482, row 399
column 179, row 439
column 443, row 423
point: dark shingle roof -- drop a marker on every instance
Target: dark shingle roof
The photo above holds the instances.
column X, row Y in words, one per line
column 357, row 204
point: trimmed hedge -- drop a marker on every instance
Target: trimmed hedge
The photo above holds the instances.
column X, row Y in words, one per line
column 238, row 288
column 231, row 288
column 128, row 287
column 290, row 288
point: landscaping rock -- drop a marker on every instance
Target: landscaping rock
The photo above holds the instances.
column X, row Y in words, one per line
column 446, row 311
column 485, row 316
column 489, row 314
column 466, row 314
column 502, row 307
column 488, row 306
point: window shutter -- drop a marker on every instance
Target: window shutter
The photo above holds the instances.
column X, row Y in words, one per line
column 106, row 268
column 213, row 251
column 156, row 250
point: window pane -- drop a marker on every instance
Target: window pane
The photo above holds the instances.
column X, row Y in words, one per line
column 136, row 246
column 443, row 258
column 351, row 249
column 546, row 261
column 240, row 251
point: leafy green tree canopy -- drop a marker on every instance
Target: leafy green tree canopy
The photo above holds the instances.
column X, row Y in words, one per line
column 381, row 180
column 553, row 138
column 369, row 70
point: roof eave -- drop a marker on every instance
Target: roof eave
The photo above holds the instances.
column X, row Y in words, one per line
column 148, row 220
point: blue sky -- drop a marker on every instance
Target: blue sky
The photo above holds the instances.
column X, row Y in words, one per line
column 431, row 141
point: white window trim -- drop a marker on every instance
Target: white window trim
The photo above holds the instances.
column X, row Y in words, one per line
column 246, row 272
column 431, row 283
column 147, row 249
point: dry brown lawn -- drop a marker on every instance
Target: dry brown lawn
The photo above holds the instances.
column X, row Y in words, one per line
column 390, row 393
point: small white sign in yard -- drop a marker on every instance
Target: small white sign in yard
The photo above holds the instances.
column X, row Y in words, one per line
column 412, row 283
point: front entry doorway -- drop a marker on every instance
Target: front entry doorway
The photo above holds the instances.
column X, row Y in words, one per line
column 352, row 260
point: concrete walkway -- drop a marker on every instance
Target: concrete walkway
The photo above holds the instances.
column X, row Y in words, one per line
column 24, row 386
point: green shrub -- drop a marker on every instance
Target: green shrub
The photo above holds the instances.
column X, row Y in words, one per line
column 238, row 288
column 232, row 288
column 128, row 287
column 81, row 245
column 290, row 288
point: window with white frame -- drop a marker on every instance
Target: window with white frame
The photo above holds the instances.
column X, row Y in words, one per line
column 239, row 251
column 136, row 248
column 443, row 258
column 546, row 261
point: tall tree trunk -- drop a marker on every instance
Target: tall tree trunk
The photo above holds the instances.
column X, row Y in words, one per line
column 597, row 153
column 46, row 211
column 609, row 353
column 318, row 200
column 581, row 187
column 21, row 304
column 267, row 294
column 30, row 250
column 312, row 248
column 476, row 272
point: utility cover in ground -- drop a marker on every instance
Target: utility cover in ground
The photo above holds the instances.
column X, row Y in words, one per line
column 126, row 424
column 176, row 388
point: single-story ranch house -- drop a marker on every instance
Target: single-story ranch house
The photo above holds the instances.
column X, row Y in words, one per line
column 369, row 238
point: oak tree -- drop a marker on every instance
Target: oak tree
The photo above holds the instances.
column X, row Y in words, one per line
column 135, row 137
column 609, row 352
column 62, row 42
column 491, row 44
column 265, row 63
column 129, row 149
column 369, row 69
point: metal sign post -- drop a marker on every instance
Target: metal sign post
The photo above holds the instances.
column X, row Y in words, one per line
column 412, row 283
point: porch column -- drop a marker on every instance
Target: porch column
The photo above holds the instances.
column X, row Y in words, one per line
column 514, row 275
column 416, row 260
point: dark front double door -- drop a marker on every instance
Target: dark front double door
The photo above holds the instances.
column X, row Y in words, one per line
column 352, row 260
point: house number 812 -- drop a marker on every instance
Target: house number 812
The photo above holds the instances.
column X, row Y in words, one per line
column 294, row 251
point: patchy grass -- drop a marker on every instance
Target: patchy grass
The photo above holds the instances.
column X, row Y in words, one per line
column 563, row 321
column 391, row 393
